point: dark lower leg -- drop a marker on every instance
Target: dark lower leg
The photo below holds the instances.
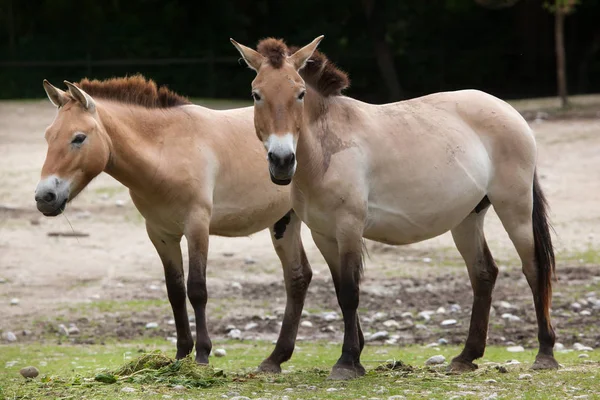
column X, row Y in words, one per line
column 348, row 298
column 546, row 336
column 483, row 278
column 297, row 282
column 177, row 297
column 197, row 294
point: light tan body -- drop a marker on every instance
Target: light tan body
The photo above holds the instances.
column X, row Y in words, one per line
column 195, row 168
column 191, row 172
column 401, row 173
column 404, row 155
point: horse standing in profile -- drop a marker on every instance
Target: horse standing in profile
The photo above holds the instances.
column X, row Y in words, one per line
column 401, row 173
column 185, row 177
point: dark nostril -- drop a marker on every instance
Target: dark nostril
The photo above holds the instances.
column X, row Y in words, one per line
column 49, row 197
column 272, row 157
column 291, row 158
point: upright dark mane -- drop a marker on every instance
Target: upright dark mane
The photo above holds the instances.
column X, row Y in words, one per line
column 320, row 73
column 134, row 89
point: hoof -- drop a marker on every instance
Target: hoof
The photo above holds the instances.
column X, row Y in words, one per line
column 344, row 373
column 269, row 367
column 543, row 361
column 460, row 366
column 201, row 360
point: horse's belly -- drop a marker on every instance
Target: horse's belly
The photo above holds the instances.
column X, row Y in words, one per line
column 398, row 227
column 249, row 213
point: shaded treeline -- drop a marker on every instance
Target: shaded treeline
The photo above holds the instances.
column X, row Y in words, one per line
column 393, row 49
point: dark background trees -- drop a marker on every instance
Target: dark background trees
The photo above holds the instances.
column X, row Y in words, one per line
column 393, row 49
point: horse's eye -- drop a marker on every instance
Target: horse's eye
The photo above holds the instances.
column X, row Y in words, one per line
column 79, row 139
column 301, row 95
column 256, row 96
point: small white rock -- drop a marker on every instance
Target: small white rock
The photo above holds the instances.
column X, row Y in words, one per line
column 435, row 360
column 425, row 315
column 119, row 203
column 236, row 285
column 576, row 306
column 154, row 287
column 14, row 301
column 524, row 376
column 513, row 362
column 171, row 322
column 220, row 353
column 9, row 337
column 381, row 335
column 390, row 323
column 330, row 316
column 73, row 329
column 585, row 313
column 421, row 327
column 440, row 310
column 490, row 381
column 406, row 314
column 151, row 325
column 306, row 324
column 332, row 389
column 427, row 260
column 396, row 397
column 62, row 330
column 454, row 308
column 442, row 341
column 559, row 346
column 128, row 389
column 580, row 347
column 583, row 355
column 172, row 339
column 510, row 317
column 235, row 334
column 515, row 349
column 250, row 326
column 249, row 261
column 179, row 387
column 506, row 305
column 448, row 322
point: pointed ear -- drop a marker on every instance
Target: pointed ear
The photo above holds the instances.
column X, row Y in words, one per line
column 300, row 57
column 252, row 57
column 56, row 96
column 82, row 97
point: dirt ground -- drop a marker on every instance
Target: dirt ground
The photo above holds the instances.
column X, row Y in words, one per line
column 110, row 284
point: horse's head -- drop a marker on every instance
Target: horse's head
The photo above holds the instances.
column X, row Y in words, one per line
column 78, row 149
column 278, row 91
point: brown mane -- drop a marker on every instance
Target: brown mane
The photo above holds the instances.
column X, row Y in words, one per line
column 320, row 73
column 134, row 89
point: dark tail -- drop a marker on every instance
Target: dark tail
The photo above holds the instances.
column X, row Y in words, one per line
column 544, row 252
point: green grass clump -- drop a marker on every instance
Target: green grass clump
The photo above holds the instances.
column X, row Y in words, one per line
column 159, row 369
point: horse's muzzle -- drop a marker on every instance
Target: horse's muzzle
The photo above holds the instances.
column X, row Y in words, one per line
column 51, row 196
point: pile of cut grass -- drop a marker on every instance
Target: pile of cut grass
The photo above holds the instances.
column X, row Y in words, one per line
column 159, row 369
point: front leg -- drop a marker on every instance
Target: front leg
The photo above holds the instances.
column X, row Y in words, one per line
column 169, row 250
column 197, row 233
column 297, row 275
column 345, row 266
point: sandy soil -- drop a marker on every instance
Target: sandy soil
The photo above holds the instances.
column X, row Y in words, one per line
column 60, row 279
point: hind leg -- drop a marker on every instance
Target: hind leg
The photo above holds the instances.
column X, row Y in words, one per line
column 470, row 242
column 515, row 210
column 297, row 275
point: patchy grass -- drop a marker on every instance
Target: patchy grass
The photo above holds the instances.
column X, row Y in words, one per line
column 71, row 372
column 110, row 306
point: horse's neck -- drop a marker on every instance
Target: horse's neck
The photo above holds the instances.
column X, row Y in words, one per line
column 136, row 136
column 316, row 139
